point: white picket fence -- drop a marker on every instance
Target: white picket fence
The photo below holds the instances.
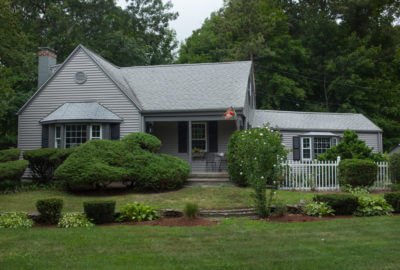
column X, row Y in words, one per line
column 322, row 175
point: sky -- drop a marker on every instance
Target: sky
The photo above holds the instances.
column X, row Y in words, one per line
column 192, row 14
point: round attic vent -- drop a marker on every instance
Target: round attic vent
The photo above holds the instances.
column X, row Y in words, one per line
column 80, row 77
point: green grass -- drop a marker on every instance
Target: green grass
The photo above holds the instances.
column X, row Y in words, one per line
column 205, row 197
column 357, row 243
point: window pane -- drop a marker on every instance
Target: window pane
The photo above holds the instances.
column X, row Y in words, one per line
column 199, row 137
column 75, row 135
column 96, row 132
column 321, row 144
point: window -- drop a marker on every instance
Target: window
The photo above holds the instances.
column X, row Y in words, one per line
column 199, row 136
column 306, row 148
column 57, row 137
column 75, row 135
column 321, row 144
column 95, row 132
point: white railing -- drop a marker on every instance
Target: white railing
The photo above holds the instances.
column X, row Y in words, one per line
column 322, row 175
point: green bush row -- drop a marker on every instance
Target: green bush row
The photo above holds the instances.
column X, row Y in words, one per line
column 12, row 170
column 342, row 204
column 9, row 154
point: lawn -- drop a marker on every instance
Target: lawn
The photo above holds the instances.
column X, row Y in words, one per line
column 217, row 197
column 357, row 243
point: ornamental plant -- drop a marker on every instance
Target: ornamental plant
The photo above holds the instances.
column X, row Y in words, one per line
column 74, row 220
column 137, row 212
column 318, row 209
column 258, row 154
column 15, row 220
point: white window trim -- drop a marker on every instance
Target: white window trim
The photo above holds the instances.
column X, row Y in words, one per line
column 101, row 132
column 205, row 134
column 308, row 148
column 58, row 138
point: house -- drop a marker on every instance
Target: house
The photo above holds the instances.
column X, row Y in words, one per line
column 395, row 150
column 88, row 98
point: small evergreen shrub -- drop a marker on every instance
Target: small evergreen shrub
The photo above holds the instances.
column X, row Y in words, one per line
column 74, row 220
column 357, row 172
column 394, row 200
column 12, row 170
column 50, row 210
column 191, row 210
column 373, row 206
column 9, row 154
column 15, row 220
column 43, row 162
column 100, row 212
column 143, row 140
column 136, row 212
column 394, row 167
column 318, row 209
column 342, row 204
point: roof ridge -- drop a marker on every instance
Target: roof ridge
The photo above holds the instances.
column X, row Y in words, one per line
column 190, row 64
column 302, row 112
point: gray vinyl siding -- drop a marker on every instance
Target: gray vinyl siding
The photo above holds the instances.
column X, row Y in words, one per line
column 371, row 139
column 63, row 88
column 167, row 132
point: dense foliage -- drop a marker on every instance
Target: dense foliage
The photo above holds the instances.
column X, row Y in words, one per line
column 373, row 206
column 43, row 162
column 357, row 172
column 337, row 56
column 137, row 212
column 100, row 212
column 257, row 155
column 9, row 154
column 50, row 210
column 191, row 210
column 318, row 209
column 74, row 220
column 139, row 34
column 15, row 220
column 351, row 147
column 12, row 170
column 99, row 163
column 394, row 167
column 394, row 200
column 342, row 204
column 234, row 162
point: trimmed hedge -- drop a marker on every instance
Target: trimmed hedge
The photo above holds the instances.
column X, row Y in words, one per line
column 394, row 200
column 143, row 140
column 100, row 212
column 357, row 172
column 343, row 204
column 43, row 162
column 9, row 154
column 12, row 170
column 50, row 210
column 394, row 167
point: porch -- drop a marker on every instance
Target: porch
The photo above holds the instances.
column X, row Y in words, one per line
column 202, row 143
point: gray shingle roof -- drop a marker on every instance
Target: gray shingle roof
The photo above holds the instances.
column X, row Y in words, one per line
column 313, row 121
column 182, row 86
column 86, row 111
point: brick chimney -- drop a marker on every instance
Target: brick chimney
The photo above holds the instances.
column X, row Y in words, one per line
column 47, row 59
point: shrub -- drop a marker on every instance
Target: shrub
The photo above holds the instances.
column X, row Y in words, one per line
column 394, row 200
column 137, row 212
column 12, row 170
column 43, row 162
column 9, row 154
column 234, row 161
column 342, row 204
column 280, row 209
column 100, row 212
column 357, row 172
column 143, row 140
column 74, row 220
column 351, row 147
column 15, row 220
column 318, row 209
column 191, row 210
column 258, row 154
column 50, row 210
column 394, row 167
column 373, row 206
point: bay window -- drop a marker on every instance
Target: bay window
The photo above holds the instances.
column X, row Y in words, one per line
column 313, row 146
column 75, row 135
column 95, row 132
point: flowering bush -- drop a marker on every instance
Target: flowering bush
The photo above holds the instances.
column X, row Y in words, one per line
column 318, row 209
column 256, row 156
column 74, row 220
column 15, row 220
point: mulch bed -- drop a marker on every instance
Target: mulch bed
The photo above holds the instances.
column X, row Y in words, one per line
column 303, row 218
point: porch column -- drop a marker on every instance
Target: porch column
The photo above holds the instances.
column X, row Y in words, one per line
column 190, row 142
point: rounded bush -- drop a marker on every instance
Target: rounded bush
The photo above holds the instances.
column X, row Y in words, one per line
column 143, row 140
column 50, row 210
column 357, row 172
column 9, row 154
column 394, row 167
column 12, row 170
column 100, row 212
column 394, row 200
column 343, row 204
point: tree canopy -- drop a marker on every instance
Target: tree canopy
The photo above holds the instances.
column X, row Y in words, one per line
column 328, row 55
